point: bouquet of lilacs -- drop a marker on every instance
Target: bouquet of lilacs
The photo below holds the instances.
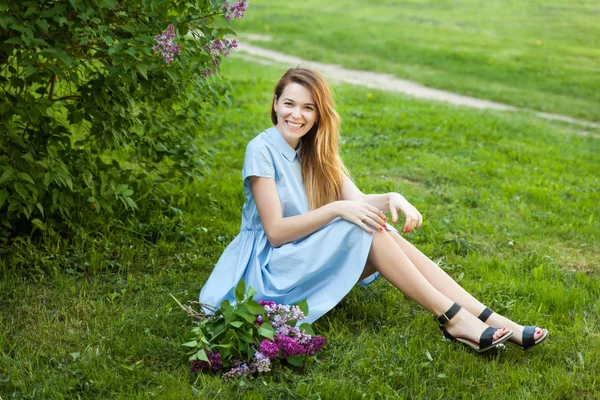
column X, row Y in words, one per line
column 251, row 336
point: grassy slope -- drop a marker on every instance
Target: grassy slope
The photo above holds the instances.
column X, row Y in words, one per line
column 510, row 211
column 542, row 55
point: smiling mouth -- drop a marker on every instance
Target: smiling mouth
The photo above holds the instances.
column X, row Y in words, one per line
column 294, row 125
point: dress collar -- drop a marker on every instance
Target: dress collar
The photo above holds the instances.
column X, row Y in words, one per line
column 284, row 147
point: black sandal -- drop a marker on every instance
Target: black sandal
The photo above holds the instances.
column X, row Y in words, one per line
column 486, row 340
column 528, row 333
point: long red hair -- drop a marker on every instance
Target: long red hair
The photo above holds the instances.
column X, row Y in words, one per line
column 322, row 168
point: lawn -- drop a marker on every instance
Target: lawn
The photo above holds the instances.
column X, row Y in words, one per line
column 510, row 208
column 542, row 55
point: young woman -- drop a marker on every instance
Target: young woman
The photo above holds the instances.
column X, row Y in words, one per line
column 309, row 232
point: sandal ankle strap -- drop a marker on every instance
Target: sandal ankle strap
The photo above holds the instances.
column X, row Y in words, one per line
column 448, row 315
column 485, row 314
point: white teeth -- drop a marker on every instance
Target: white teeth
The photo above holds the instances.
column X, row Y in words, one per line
column 294, row 125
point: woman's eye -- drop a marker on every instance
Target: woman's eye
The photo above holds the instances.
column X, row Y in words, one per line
column 288, row 104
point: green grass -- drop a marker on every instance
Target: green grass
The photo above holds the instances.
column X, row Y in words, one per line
column 510, row 208
column 542, row 55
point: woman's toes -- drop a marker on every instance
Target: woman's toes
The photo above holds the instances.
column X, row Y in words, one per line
column 499, row 333
column 539, row 332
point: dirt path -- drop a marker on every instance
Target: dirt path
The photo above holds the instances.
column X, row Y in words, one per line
column 389, row 82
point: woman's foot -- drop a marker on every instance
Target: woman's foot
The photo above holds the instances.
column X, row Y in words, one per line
column 466, row 328
column 539, row 334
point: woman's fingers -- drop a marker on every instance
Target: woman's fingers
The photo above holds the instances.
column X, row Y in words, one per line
column 377, row 217
column 363, row 225
column 412, row 220
column 394, row 214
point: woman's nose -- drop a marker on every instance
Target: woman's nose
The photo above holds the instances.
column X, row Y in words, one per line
column 296, row 112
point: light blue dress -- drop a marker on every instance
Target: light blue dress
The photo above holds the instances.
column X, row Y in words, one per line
column 321, row 267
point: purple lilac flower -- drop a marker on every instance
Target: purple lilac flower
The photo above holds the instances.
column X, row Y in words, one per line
column 215, row 363
column 165, row 45
column 236, row 372
column 280, row 315
column 235, row 9
column 232, row 44
column 219, row 47
column 260, row 362
column 206, row 73
column 266, row 303
column 316, row 344
column 290, row 346
column 304, row 338
column 269, row 348
column 285, row 330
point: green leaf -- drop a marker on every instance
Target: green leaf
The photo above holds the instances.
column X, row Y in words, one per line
column 306, row 328
column 114, row 49
column 3, row 197
column 26, row 177
column 6, row 177
column 245, row 336
column 20, row 189
column 201, row 354
column 246, row 315
column 14, row 40
column 43, row 24
column 107, row 3
column 38, row 224
column 131, row 203
column 193, row 343
column 219, row 328
column 5, row 21
column 28, row 157
column 40, row 207
column 228, row 314
column 251, row 292
column 225, row 303
column 143, row 70
column 303, row 305
column 254, row 307
column 250, row 352
column 236, row 324
column 267, row 331
column 239, row 290
column 88, row 178
column 296, row 361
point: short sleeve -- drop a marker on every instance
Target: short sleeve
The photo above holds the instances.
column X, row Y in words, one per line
column 258, row 161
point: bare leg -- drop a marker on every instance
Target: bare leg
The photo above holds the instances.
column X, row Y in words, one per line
column 397, row 268
column 368, row 271
column 448, row 286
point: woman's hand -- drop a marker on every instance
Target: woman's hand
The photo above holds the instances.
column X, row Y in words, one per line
column 413, row 216
column 362, row 214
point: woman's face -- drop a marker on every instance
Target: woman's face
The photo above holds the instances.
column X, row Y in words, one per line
column 296, row 113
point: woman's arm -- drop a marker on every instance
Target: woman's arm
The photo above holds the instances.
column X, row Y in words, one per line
column 391, row 202
column 282, row 230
